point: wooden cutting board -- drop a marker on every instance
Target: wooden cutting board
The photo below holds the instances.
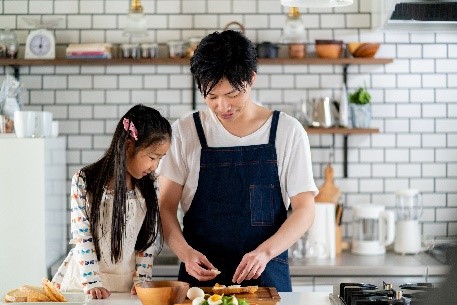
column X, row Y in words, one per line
column 328, row 192
column 263, row 296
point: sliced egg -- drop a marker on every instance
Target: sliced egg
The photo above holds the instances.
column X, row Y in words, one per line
column 198, row 301
column 215, row 299
column 195, row 292
column 233, row 300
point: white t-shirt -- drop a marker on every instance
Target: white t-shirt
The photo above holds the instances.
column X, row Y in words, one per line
column 181, row 164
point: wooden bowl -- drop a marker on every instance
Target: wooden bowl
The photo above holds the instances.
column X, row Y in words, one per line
column 366, row 49
column 329, row 48
column 162, row 292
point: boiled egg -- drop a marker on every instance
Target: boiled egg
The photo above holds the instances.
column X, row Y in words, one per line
column 215, row 299
column 198, row 301
column 233, row 300
column 195, row 292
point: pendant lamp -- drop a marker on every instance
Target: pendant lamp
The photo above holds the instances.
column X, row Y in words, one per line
column 136, row 21
column 316, row 3
column 294, row 34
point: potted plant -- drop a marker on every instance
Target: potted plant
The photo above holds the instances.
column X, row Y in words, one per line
column 360, row 105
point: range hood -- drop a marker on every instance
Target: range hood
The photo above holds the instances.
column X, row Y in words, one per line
column 415, row 15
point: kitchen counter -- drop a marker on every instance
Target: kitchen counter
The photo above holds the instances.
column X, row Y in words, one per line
column 345, row 264
column 321, row 275
column 287, row 298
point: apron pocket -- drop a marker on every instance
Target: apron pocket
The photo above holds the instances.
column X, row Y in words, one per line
column 262, row 200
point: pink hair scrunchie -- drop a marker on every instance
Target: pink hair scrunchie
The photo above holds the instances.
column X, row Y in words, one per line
column 130, row 128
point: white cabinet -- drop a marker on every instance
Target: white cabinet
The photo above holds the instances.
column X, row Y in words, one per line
column 32, row 209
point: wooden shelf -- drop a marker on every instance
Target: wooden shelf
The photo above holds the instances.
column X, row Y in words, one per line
column 345, row 62
column 185, row 61
column 79, row 62
column 340, row 130
column 324, row 61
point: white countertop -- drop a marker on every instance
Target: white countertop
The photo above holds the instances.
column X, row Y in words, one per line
column 287, row 298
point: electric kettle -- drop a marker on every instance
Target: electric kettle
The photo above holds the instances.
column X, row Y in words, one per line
column 373, row 229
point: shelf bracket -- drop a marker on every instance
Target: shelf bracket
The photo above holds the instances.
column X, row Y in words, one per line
column 16, row 71
column 345, row 75
column 345, row 156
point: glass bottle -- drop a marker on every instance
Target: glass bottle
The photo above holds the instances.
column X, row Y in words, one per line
column 9, row 40
column 294, row 34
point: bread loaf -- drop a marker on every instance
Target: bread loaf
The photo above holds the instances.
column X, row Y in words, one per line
column 15, row 295
column 27, row 293
column 222, row 289
column 52, row 292
column 35, row 293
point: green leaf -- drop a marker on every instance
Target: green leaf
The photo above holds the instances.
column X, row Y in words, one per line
column 242, row 302
column 360, row 97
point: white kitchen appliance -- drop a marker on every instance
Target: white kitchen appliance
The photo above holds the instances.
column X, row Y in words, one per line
column 408, row 204
column 320, row 238
column 373, row 229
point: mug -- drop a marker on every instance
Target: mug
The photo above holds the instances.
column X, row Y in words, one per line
column 2, row 124
column 24, row 123
column 55, row 129
column 43, row 124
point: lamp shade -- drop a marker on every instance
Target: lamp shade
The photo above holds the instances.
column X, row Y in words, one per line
column 136, row 21
column 136, row 25
column 294, row 28
column 316, row 3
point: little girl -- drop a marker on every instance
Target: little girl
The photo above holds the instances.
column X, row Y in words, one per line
column 115, row 222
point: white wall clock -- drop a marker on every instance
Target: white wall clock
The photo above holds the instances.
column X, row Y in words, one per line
column 40, row 44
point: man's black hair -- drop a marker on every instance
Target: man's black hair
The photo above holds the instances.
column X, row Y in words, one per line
column 228, row 54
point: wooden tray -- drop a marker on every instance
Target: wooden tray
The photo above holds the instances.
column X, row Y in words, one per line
column 263, row 296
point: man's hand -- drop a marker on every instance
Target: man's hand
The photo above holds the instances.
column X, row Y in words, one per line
column 251, row 266
column 198, row 266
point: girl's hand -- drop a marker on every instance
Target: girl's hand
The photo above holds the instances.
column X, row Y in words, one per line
column 133, row 290
column 99, row 293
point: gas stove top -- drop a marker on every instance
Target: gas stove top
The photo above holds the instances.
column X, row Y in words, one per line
column 369, row 294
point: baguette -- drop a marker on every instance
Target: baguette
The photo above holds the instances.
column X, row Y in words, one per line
column 15, row 295
column 233, row 289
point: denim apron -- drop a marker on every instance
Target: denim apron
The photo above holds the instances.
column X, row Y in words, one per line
column 237, row 205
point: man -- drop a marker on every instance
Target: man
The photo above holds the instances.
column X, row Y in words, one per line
column 236, row 168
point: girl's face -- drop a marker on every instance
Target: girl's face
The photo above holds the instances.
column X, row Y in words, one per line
column 227, row 102
column 146, row 160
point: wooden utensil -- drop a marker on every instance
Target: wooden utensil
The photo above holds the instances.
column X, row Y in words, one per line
column 328, row 192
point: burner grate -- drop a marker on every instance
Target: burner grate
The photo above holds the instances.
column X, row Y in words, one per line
column 369, row 294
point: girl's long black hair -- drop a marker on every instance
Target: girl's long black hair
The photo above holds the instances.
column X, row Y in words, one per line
column 153, row 129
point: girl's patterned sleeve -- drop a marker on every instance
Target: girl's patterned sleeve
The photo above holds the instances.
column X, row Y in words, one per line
column 144, row 263
column 84, row 250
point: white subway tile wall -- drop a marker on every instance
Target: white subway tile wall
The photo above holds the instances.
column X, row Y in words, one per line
column 414, row 98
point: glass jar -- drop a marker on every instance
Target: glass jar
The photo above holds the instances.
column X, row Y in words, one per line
column 149, row 50
column 176, row 48
column 191, row 46
column 8, row 44
column 130, row 50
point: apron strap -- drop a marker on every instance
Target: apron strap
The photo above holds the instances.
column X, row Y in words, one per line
column 274, row 127
column 200, row 132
